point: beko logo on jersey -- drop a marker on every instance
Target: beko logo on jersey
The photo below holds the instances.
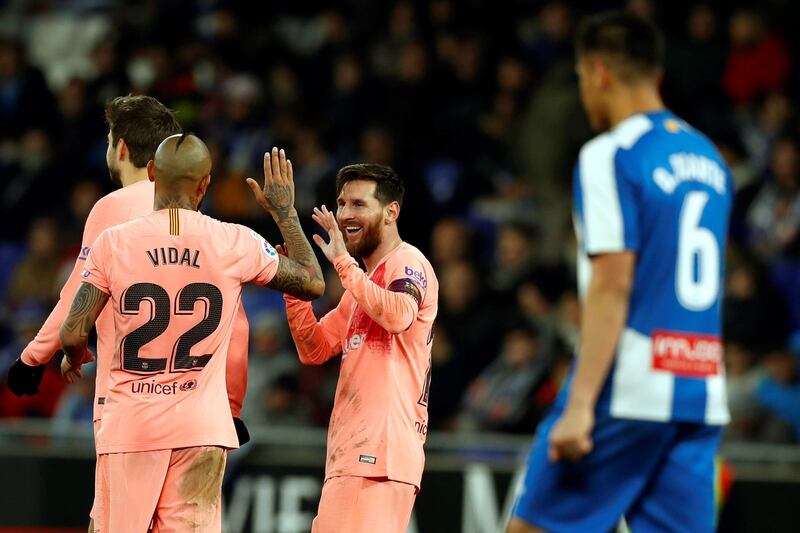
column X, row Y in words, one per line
column 164, row 389
column 417, row 275
column 690, row 167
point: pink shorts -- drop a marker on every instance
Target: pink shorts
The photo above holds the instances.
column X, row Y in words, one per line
column 168, row 490
column 364, row 505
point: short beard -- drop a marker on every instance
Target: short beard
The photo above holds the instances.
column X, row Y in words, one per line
column 368, row 243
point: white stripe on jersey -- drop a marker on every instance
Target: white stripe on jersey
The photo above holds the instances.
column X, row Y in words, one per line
column 717, row 399
column 602, row 214
column 638, row 391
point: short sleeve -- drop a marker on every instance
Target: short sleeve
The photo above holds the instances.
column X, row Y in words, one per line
column 257, row 259
column 406, row 273
column 95, row 270
column 605, row 200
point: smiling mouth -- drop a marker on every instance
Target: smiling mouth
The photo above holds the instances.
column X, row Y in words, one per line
column 352, row 231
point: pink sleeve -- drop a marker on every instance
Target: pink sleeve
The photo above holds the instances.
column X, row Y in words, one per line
column 316, row 341
column 394, row 308
column 236, row 366
column 96, row 271
column 46, row 343
column 257, row 259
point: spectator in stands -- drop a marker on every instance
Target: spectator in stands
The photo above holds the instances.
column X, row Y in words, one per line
column 693, row 65
column 758, row 61
column 742, row 377
column 451, row 241
column 30, row 169
column 779, row 393
column 283, row 405
column 269, row 359
column 34, row 278
column 463, row 305
column 763, row 127
column 515, row 257
column 500, row 397
column 26, row 103
column 753, row 312
column 774, row 216
column 447, row 372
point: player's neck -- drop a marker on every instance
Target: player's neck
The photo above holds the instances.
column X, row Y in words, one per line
column 388, row 243
column 174, row 200
column 132, row 175
column 631, row 101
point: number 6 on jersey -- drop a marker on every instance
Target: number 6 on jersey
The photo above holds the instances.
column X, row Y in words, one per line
column 697, row 269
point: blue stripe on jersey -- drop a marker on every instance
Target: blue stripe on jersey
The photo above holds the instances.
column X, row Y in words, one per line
column 689, row 398
column 656, row 186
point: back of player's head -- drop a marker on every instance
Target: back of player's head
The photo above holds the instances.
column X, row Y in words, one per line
column 181, row 161
column 632, row 46
column 143, row 122
column 389, row 186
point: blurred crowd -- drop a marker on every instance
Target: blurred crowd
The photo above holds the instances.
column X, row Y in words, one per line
column 475, row 104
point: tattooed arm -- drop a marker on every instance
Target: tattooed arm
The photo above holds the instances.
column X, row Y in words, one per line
column 86, row 307
column 299, row 274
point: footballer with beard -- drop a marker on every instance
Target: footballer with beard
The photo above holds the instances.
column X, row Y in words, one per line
column 382, row 328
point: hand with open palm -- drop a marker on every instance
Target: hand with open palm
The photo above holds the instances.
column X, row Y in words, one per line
column 335, row 246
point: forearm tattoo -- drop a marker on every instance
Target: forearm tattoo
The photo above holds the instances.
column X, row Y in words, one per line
column 300, row 274
column 88, row 302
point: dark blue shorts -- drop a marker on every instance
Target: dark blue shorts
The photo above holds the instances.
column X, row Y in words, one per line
column 659, row 476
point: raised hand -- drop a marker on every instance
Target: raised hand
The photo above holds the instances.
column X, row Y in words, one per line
column 335, row 246
column 277, row 195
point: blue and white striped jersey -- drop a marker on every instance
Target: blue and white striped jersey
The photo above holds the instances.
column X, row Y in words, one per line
column 657, row 187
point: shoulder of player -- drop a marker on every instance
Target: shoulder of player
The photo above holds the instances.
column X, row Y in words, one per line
column 411, row 262
column 614, row 149
column 623, row 137
column 407, row 253
column 116, row 205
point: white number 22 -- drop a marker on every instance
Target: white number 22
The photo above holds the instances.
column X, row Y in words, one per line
column 696, row 291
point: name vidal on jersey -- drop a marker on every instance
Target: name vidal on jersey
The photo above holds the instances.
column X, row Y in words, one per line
column 170, row 256
column 690, row 167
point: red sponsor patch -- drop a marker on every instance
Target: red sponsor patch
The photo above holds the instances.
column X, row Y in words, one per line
column 687, row 354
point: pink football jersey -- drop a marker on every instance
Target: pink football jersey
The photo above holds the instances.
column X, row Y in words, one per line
column 119, row 207
column 175, row 279
column 380, row 414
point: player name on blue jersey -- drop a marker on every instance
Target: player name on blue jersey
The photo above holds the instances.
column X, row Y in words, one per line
column 655, row 186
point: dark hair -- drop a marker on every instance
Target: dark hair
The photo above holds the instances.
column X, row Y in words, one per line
column 390, row 187
column 633, row 42
column 143, row 122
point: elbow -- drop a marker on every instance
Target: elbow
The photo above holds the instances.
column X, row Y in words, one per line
column 309, row 360
column 396, row 327
column 317, row 289
column 398, row 324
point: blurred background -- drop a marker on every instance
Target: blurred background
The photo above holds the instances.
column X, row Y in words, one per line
column 475, row 104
